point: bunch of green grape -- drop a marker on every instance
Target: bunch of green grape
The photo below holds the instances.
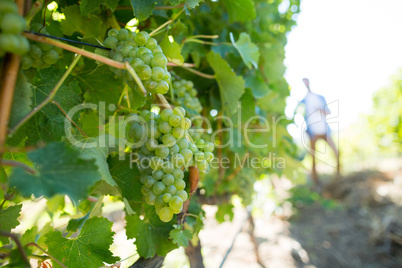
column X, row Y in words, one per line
column 163, row 153
column 186, row 95
column 40, row 55
column 11, row 26
column 143, row 54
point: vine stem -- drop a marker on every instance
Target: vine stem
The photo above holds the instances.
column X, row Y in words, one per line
column 69, row 118
column 208, row 76
column 47, row 253
column 18, row 243
column 36, row 7
column 48, row 99
column 160, row 27
column 184, row 64
column 79, row 51
column 12, row 163
column 136, row 78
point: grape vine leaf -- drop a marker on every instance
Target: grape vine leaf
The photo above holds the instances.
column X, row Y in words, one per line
column 88, row 26
column 257, row 84
column 248, row 50
column 8, row 220
column 246, row 109
column 224, row 211
column 88, row 7
column 22, row 100
column 231, row 86
column 142, row 8
column 101, row 88
column 172, row 51
column 60, row 170
column 151, row 235
column 240, row 10
column 67, row 96
column 30, row 235
column 95, row 148
column 127, row 177
column 192, row 3
column 174, row 2
column 180, row 237
column 89, row 249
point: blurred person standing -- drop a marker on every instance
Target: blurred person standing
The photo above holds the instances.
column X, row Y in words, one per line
column 316, row 110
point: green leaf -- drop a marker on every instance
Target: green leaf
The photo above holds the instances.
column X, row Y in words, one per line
column 68, row 95
column 192, row 3
column 127, row 177
column 8, row 220
column 257, row 84
column 75, row 224
column 29, row 236
column 102, row 89
column 240, row 10
column 22, row 101
column 3, row 175
column 224, row 213
column 95, row 148
column 231, row 87
column 88, row 26
column 60, row 170
column 172, row 51
column 247, row 106
column 143, row 8
column 90, row 6
column 248, row 50
column 180, row 237
column 151, row 234
column 89, row 249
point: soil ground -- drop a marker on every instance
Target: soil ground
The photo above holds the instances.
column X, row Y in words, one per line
column 363, row 230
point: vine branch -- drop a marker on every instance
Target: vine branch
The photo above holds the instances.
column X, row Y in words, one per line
column 48, row 99
column 12, row 163
column 69, row 118
column 47, row 253
column 18, row 243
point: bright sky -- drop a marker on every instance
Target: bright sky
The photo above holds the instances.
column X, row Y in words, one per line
column 348, row 49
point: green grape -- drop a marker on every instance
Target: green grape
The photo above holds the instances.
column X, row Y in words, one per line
column 167, row 197
column 143, row 50
column 37, row 63
column 122, row 35
column 165, row 114
column 209, row 156
column 113, row 32
column 151, row 43
column 169, row 139
column 158, row 188
column 133, row 53
column 144, row 150
column 157, row 49
column 179, row 111
column 159, row 60
column 151, row 144
column 209, row 147
column 126, row 50
column 158, row 174
column 151, row 85
column 151, row 116
column 178, row 174
column 146, row 57
column 8, row 7
column 118, row 57
column 187, row 154
column 167, row 167
column 174, row 120
column 199, row 156
column 193, row 148
column 156, row 163
column 200, row 143
column 50, row 57
column 186, row 123
column 45, row 47
column 202, row 165
column 102, row 52
column 178, row 160
column 162, row 151
column 183, row 143
column 144, row 72
column 171, row 189
column 13, row 23
column 162, row 87
column 144, row 190
column 144, row 113
column 150, row 198
column 111, row 42
column 149, row 181
column 159, row 203
column 174, row 149
column 182, row 194
column 26, row 62
column 176, row 203
column 166, row 214
column 35, row 52
column 164, row 127
column 7, row 42
column 178, row 132
column 168, row 179
column 179, row 184
column 157, row 73
column 141, row 38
